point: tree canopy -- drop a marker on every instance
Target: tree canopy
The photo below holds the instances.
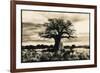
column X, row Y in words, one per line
column 58, row 27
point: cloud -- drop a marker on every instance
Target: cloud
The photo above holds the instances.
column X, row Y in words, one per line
column 32, row 17
column 33, row 23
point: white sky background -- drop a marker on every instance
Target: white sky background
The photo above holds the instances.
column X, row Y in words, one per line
column 33, row 24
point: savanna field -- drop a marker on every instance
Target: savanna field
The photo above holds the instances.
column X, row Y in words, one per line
column 44, row 53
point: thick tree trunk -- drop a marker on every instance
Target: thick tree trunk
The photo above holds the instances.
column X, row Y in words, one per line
column 57, row 43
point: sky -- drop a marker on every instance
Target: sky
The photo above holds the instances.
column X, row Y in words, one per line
column 32, row 24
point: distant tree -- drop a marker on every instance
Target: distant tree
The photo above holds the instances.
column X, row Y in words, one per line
column 58, row 28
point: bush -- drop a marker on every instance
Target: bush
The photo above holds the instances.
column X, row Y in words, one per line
column 33, row 55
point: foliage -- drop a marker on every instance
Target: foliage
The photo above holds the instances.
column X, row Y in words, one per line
column 32, row 55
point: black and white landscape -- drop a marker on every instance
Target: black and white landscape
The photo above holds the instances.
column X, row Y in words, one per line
column 54, row 36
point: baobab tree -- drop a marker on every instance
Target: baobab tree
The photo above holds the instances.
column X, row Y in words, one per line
column 58, row 28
